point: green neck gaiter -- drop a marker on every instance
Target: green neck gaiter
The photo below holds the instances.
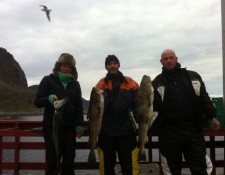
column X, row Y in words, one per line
column 65, row 78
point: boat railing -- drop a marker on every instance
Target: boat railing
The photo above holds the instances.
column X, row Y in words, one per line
column 20, row 129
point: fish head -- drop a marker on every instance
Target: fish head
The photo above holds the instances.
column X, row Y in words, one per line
column 96, row 94
column 146, row 85
column 96, row 103
column 145, row 79
column 60, row 103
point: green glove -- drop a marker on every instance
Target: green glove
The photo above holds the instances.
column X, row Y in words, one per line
column 51, row 98
column 80, row 129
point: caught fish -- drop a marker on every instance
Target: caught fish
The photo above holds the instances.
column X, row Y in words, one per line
column 58, row 130
column 145, row 113
column 94, row 115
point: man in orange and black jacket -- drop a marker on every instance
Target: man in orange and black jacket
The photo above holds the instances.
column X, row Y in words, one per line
column 118, row 134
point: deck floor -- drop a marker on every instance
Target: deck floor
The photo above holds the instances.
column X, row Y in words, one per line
column 145, row 169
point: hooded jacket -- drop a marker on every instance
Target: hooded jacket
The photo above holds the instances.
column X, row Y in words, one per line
column 73, row 111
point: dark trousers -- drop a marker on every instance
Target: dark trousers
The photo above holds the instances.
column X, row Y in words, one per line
column 68, row 151
column 173, row 147
column 125, row 147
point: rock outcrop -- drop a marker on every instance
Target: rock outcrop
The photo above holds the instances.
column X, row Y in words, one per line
column 14, row 92
column 10, row 71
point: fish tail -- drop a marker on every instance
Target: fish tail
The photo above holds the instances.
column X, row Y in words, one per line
column 59, row 169
column 142, row 155
column 92, row 157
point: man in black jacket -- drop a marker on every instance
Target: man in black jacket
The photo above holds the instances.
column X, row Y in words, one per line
column 182, row 103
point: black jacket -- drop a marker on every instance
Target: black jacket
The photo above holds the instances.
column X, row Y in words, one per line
column 201, row 106
column 73, row 111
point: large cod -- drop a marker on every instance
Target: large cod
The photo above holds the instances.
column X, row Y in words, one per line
column 94, row 115
column 58, row 131
column 145, row 113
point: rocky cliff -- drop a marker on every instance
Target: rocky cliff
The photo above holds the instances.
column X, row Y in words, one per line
column 10, row 71
column 15, row 95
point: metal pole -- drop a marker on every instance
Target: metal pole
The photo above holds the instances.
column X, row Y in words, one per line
column 223, row 52
column 223, row 45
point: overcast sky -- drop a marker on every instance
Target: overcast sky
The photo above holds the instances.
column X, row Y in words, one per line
column 136, row 31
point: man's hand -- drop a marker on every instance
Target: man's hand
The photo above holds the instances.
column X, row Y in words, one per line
column 98, row 90
column 55, row 98
column 79, row 131
column 215, row 124
column 79, row 134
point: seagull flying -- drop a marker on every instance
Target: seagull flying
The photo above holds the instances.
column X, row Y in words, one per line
column 47, row 11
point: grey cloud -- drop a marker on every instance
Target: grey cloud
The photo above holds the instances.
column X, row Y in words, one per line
column 136, row 31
